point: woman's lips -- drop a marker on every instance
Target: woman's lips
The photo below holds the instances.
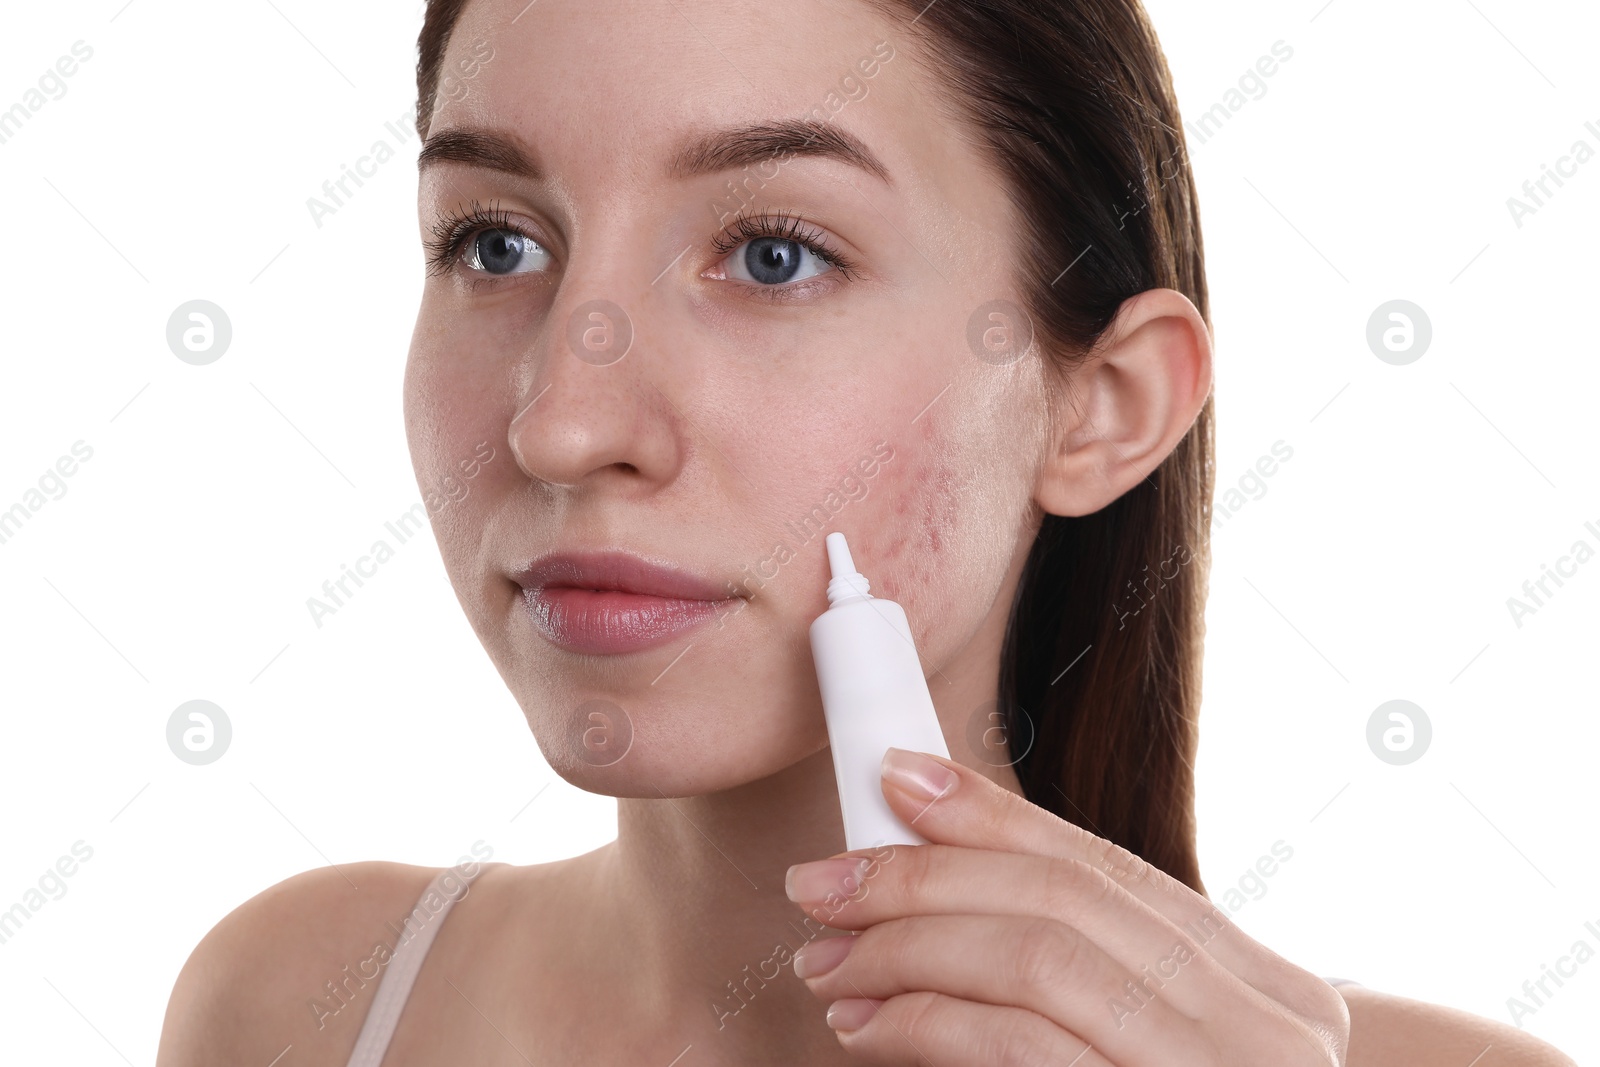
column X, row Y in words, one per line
column 610, row 621
column 608, row 602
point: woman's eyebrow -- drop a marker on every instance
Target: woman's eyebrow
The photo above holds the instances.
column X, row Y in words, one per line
column 479, row 148
column 706, row 153
column 755, row 143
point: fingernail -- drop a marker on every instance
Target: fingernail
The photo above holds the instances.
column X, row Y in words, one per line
column 851, row 1013
column 821, row 879
column 821, row 956
column 918, row 775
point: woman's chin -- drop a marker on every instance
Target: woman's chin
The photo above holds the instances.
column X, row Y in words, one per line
column 658, row 750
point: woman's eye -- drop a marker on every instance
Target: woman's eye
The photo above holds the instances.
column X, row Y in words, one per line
column 774, row 261
column 505, row 252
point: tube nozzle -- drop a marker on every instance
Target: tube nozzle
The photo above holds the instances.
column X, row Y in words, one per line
column 846, row 581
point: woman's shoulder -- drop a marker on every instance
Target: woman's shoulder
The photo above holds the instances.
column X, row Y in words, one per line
column 296, row 966
column 1386, row 1029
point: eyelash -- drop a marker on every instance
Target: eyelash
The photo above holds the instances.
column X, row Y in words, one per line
column 450, row 235
column 451, row 232
column 787, row 227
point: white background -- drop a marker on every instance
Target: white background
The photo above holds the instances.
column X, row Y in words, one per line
column 1376, row 566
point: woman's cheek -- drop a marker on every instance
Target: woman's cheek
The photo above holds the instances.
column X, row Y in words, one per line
column 903, row 544
column 943, row 535
column 427, row 391
column 459, row 452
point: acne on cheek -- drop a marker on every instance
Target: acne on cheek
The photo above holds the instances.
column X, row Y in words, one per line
column 909, row 546
column 922, row 513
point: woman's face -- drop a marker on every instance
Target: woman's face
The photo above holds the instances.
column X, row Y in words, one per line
column 768, row 394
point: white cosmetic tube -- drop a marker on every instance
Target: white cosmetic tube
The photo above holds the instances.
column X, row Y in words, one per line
column 874, row 695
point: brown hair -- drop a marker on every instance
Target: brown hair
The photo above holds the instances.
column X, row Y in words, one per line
column 1073, row 101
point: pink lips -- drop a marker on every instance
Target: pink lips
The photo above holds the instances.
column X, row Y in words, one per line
column 607, row 603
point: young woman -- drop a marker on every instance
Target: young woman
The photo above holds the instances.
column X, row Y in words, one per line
column 706, row 282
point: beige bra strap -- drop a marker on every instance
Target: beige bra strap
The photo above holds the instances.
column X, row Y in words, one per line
column 418, row 931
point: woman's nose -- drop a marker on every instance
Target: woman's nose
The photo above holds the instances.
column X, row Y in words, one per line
column 591, row 404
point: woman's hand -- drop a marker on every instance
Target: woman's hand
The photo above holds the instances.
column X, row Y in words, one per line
column 1015, row 937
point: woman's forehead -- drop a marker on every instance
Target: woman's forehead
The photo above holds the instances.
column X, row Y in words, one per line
column 644, row 79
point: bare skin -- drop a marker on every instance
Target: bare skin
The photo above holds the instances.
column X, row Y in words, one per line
column 734, row 412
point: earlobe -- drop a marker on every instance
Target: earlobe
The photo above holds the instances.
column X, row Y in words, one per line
column 1128, row 404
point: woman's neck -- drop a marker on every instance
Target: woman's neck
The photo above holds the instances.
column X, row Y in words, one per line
column 697, row 928
column 701, row 922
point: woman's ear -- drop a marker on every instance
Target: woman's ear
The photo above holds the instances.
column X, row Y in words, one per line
column 1126, row 407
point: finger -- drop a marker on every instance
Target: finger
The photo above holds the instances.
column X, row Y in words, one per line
column 1009, row 961
column 953, row 880
column 962, row 807
column 921, row 1028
